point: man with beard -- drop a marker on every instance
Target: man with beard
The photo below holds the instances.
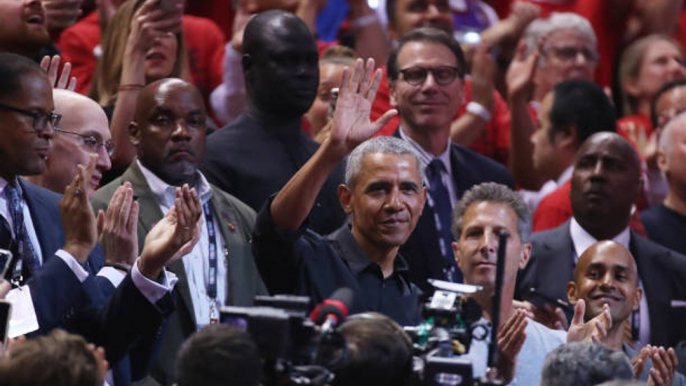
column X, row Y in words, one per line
column 169, row 132
column 261, row 150
column 605, row 184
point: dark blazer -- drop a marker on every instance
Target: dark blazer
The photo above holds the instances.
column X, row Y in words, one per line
column 236, row 222
column 662, row 272
column 422, row 250
column 116, row 319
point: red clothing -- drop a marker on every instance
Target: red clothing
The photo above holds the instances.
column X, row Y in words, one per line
column 221, row 12
column 637, row 129
column 204, row 44
column 556, row 208
column 493, row 142
column 681, row 34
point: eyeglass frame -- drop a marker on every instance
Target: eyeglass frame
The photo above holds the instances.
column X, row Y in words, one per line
column 588, row 54
column 99, row 145
column 427, row 70
column 51, row 117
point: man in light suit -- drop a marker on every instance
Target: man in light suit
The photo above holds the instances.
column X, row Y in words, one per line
column 59, row 267
column 605, row 184
column 427, row 101
column 169, row 132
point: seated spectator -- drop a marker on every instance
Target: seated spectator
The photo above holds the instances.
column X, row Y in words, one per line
column 584, row 364
column 331, row 67
column 645, row 66
column 23, row 29
column 141, row 45
column 606, row 279
column 56, row 359
column 605, row 184
column 83, row 130
column 666, row 222
column 219, row 355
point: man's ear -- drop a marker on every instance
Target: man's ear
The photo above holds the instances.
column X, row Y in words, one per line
column 345, row 198
column 456, row 252
column 567, row 139
column 134, row 133
column 391, row 92
column 572, row 292
column 524, row 255
column 662, row 163
column 637, row 299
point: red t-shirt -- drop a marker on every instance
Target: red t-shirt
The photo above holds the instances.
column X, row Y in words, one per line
column 204, row 44
column 493, row 142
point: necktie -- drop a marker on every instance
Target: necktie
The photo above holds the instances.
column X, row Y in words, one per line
column 23, row 245
column 442, row 215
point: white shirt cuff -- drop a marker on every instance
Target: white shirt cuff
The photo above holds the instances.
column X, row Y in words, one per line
column 73, row 264
column 115, row 276
column 152, row 290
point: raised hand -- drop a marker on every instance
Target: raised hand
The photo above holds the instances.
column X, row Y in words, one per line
column 174, row 235
column 150, row 22
column 51, row 66
column 664, row 361
column 117, row 228
column 76, row 213
column 520, row 74
column 351, row 125
column 594, row 330
column 511, row 337
column 483, row 71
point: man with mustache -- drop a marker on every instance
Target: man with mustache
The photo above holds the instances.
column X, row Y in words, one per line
column 606, row 274
column 169, row 132
column 605, row 184
column 83, row 130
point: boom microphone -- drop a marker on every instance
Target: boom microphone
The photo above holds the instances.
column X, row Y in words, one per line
column 333, row 311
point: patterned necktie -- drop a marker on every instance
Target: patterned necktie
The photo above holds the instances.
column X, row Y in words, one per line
column 442, row 214
column 23, row 245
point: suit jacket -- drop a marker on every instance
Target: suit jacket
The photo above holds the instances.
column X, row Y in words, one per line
column 662, row 272
column 236, row 221
column 422, row 250
column 116, row 319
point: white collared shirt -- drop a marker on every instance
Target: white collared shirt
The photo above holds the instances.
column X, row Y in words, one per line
column 533, row 198
column 582, row 240
column 196, row 263
column 28, row 221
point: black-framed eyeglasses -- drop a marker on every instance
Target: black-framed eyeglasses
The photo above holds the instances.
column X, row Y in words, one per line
column 92, row 142
column 443, row 75
column 40, row 119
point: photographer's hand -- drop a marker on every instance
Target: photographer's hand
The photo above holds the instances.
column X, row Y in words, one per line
column 511, row 337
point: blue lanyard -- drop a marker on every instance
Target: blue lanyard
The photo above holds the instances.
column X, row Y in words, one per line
column 212, row 238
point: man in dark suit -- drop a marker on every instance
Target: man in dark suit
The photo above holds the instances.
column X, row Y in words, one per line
column 169, row 132
column 58, row 266
column 426, row 72
column 255, row 155
column 605, row 184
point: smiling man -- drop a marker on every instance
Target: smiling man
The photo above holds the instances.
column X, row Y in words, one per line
column 82, row 131
column 23, row 28
column 605, row 184
column 169, row 132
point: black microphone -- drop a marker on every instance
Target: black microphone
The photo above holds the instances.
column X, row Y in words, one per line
column 333, row 311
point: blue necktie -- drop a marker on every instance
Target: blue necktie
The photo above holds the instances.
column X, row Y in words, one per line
column 442, row 215
column 23, row 245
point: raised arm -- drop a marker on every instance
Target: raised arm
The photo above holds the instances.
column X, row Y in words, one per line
column 351, row 126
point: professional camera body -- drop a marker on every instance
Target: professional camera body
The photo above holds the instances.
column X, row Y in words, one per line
column 452, row 321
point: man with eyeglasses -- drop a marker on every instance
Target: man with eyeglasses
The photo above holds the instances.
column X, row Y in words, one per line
column 426, row 72
column 82, row 131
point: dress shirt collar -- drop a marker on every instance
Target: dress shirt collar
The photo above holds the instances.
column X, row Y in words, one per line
column 426, row 157
column 582, row 240
column 357, row 260
column 565, row 176
column 165, row 192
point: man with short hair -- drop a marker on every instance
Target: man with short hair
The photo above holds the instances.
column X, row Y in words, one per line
column 256, row 154
column 605, row 184
column 83, row 130
column 169, row 131
column 426, row 72
column 219, row 355
column 606, row 277
column 584, row 364
column 665, row 223
column 483, row 213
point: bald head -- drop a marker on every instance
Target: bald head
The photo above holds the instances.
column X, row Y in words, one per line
column 606, row 182
column 606, row 273
column 671, row 158
column 169, row 130
column 83, row 130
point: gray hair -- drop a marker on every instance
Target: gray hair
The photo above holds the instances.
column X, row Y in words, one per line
column 584, row 364
column 493, row 192
column 666, row 143
column 555, row 22
column 384, row 145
